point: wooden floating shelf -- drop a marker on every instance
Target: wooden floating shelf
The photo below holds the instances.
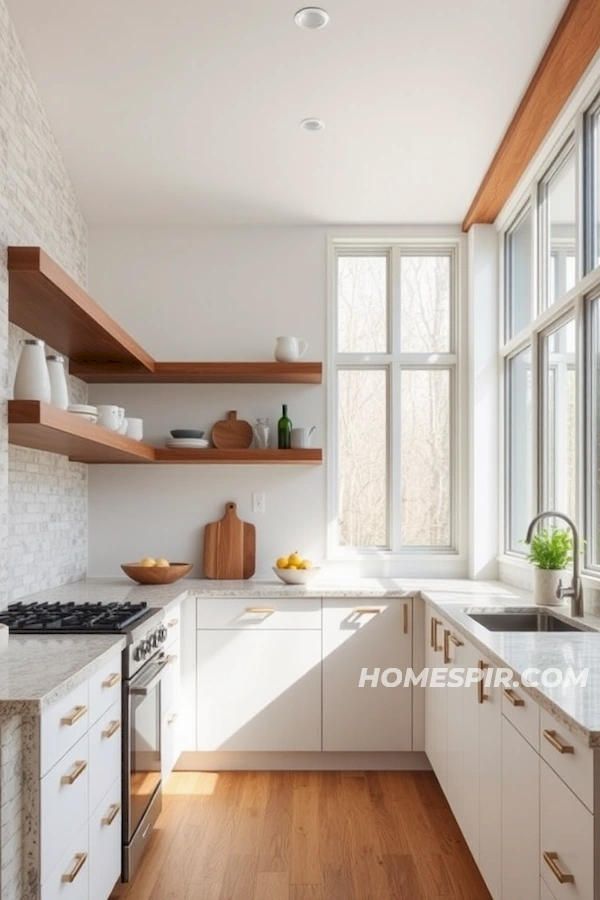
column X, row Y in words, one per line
column 312, row 457
column 46, row 302
column 40, row 426
column 202, row 373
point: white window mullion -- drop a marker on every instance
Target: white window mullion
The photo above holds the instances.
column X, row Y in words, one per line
column 395, row 376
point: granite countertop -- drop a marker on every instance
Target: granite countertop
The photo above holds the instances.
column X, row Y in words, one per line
column 576, row 706
column 37, row 670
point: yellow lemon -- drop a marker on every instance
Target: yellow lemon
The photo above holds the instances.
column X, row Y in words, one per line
column 294, row 560
column 282, row 562
column 147, row 561
column 305, row 564
column 292, row 567
column 162, row 562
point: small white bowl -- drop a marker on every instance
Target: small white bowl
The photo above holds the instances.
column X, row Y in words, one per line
column 296, row 576
column 87, row 417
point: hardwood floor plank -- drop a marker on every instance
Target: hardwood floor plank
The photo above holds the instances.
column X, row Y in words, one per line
column 304, row 861
column 272, row 886
column 276, row 832
column 240, row 878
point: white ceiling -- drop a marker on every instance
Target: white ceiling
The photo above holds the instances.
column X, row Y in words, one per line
column 186, row 112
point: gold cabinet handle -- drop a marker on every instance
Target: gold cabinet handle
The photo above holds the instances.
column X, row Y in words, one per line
column 172, row 623
column 78, row 712
column 260, row 610
column 112, row 728
column 172, row 658
column 172, row 718
column 481, row 695
column 112, row 680
column 80, row 859
column 71, row 778
column 554, row 741
column 513, row 698
column 434, row 627
column 405, row 618
column 367, row 610
column 449, row 638
column 111, row 815
column 563, row 877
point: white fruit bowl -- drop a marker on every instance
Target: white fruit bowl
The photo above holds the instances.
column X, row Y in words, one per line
column 296, row 576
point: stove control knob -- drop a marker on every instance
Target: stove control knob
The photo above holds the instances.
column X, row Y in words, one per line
column 153, row 640
column 161, row 634
column 138, row 653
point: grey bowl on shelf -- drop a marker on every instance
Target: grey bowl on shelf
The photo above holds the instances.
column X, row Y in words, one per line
column 186, row 433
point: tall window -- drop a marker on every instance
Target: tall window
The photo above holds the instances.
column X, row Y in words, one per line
column 395, row 397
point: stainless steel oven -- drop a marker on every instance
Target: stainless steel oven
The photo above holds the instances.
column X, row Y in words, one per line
column 142, row 798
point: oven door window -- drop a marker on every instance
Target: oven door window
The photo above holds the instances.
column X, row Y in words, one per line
column 144, row 753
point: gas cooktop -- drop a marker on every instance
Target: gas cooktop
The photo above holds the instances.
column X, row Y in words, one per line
column 72, row 618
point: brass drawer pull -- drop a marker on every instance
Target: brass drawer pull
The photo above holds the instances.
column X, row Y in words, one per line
column 80, row 859
column 172, row 623
column 448, row 636
column 73, row 717
column 563, row 877
column 433, row 636
column 554, row 741
column 405, row 618
column 513, row 698
column 80, row 767
column 113, row 812
column 172, row 718
column 112, row 728
column 481, row 695
column 172, row 658
column 367, row 610
column 260, row 610
column 112, row 680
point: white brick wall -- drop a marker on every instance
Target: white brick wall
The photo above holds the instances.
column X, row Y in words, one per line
column 43, row 497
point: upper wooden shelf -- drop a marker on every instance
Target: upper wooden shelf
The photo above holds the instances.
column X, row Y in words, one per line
column 203, row 373
column 47, row 303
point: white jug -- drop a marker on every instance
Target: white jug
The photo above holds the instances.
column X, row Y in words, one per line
column 59, row 390
column 32, row 381
column 289, row 349
column 300, row 438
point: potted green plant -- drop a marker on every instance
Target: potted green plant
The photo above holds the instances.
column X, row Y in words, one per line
column 550, row 551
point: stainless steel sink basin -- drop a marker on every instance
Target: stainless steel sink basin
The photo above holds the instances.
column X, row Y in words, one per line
column 526, row 620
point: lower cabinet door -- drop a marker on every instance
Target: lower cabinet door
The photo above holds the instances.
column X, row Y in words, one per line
column 490, row 788
column 372, row 634
column 105, row 844
column 436, row 701
column 170, row 749
column 259, row 690
column 105, row 743
column 567, row 840
column 69, row 880
column 520, row 816
column 545, row 892
column 64, row 807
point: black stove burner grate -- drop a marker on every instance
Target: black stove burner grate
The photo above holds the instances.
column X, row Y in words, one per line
column 71, row 618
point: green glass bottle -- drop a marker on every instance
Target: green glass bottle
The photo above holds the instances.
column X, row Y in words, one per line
column 284, row 430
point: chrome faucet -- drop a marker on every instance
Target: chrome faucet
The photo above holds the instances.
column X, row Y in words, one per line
column 574, row 592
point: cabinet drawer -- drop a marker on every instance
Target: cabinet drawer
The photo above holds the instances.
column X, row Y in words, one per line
column 170, row 742
column 69, row 880
column 63, row 805
column 173, row 625
column 569, row 758
column 170, row 688
column 567, row 839
column 62, row 724
column 255, row 615
column 105, row 739
column 105, row 687
column 105, row 844
column 524, row 713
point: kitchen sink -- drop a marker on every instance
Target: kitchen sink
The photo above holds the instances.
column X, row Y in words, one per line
column 525, row 620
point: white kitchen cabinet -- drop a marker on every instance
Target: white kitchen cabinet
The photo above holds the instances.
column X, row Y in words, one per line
column 258, row 690
column 489, row 858
column 105, row 754
column 435, row 698
column 369, row 634
column 104, row 832
column 69, row 880
column 64, row 807
column 520, row 816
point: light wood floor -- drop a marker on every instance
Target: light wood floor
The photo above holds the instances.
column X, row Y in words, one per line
column 306, row 836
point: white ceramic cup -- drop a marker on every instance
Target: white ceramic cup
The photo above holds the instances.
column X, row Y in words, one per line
column 289, row 349
column 122, row 429
column 110, row 417
column 135, row 428
column 301, row 438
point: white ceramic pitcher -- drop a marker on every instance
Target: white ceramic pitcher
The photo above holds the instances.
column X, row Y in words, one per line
column 300, row 438
column 289, row 349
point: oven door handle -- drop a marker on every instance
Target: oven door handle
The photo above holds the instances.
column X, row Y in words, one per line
column 144, row 689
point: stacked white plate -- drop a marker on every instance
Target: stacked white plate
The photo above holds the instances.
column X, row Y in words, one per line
column 89, row 413
column 186, row 443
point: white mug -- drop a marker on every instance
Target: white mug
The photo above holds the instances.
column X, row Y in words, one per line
column 122, row 429
column 300, row 438
column 135, row 429
column 110, row 417
column 289, row 349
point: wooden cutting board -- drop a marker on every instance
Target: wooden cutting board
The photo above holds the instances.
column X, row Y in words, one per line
column 229, row 547
column 232, row 433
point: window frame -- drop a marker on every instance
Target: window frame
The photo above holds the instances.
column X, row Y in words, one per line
column 396, row 361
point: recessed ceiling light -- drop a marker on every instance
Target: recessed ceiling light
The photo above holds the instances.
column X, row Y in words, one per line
column 312, row 17
column 312, row 124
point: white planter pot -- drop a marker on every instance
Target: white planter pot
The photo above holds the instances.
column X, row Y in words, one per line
column 545, row 582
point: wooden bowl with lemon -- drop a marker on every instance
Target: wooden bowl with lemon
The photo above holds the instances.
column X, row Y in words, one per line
column 156, row 571
column 293, row 569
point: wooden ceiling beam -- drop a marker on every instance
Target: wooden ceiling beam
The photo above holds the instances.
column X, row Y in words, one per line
column 570, row 51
